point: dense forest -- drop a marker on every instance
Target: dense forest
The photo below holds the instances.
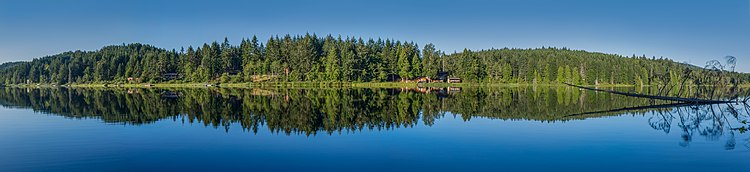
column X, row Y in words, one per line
column 310, row 58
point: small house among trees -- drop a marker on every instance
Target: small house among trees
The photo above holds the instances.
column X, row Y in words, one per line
column 422, row 79
column 441, row 77
column 454, row 80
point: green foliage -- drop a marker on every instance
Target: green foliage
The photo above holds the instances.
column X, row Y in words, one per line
column 312, row 58
column 406, row 66
column 430, row 61
column 573, row 66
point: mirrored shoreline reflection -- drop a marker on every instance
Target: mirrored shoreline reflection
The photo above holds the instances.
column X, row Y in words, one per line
column 328, row 111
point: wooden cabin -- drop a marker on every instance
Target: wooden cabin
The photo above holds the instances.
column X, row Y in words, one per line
column 422, row 79
column 454, row 80
column 441, row 77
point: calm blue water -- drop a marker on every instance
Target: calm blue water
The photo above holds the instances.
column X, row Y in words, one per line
column 38, row 139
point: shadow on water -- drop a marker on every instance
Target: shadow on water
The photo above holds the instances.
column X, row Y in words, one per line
column 314, row 111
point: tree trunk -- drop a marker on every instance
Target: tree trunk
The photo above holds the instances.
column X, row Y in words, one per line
column 679, row 99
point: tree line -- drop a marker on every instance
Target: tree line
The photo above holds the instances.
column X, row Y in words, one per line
column 311, row 58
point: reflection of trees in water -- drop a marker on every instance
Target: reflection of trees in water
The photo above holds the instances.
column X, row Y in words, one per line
column 709, row 121
column 309, row 111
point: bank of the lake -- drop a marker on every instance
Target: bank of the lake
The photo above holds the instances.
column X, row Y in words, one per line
column 301, row 84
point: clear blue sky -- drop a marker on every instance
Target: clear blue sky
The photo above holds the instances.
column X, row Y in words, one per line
column 687, row 31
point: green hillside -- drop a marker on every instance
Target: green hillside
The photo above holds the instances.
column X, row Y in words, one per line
column 310, row 58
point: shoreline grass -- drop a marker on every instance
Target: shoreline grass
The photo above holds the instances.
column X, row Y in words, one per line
column 309, row 85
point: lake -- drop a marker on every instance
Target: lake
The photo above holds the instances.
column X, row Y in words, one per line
column 364, row 129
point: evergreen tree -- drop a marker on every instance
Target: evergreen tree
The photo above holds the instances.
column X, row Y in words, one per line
column 561, row 75
column 430, row 60
column 404, row 62
column 332, row 59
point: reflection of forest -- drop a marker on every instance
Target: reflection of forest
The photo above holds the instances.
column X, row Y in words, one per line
column 308, row 111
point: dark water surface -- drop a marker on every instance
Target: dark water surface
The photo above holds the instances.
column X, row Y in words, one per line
column 486, row 129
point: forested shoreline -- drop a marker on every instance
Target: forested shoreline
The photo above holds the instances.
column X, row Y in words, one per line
column 311, row 58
